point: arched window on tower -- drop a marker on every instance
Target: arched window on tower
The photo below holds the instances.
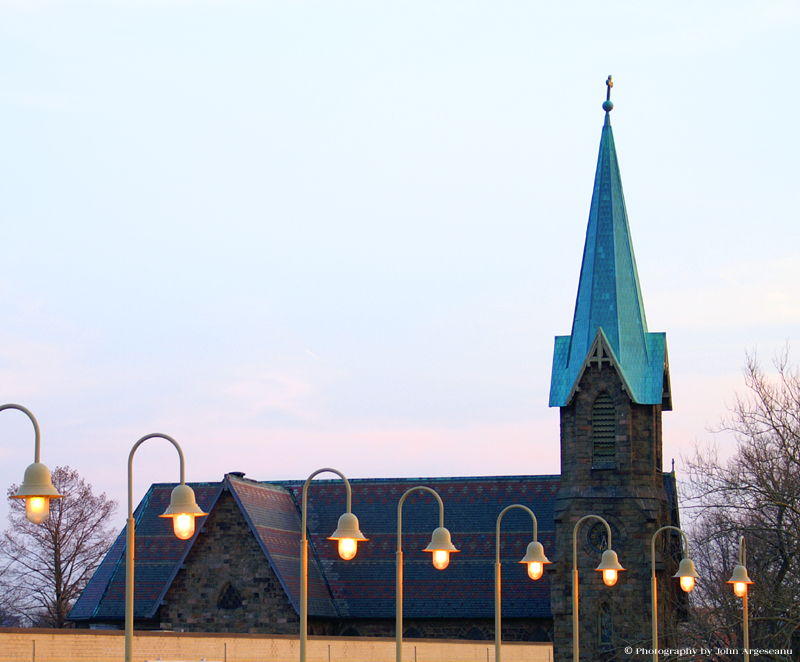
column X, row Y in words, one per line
column 604, row 433
column 605, row 626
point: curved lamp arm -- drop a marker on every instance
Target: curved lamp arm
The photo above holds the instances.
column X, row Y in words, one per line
column 308, row 482
column 575, row 537
column 653, row 543
column 130, row 464
column 499, row 519
column 36, row 431
column 400, row 511
column 37, row 485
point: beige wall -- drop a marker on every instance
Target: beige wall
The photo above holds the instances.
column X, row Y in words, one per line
column 21, row 645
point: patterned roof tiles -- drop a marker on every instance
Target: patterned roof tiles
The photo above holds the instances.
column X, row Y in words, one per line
column 365, row 586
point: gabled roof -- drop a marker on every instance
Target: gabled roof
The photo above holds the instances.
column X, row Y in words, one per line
column 609, row 297
column 271, row 514
column 274, row 518
column 158, row 553
column 365, row 586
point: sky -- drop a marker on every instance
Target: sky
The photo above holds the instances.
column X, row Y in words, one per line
column 295, row 235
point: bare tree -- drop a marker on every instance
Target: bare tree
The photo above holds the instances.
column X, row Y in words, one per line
column 9, row 595
column 49, row 564
column 756, row 493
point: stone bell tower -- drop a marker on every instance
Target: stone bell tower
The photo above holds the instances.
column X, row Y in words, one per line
column 611, row 381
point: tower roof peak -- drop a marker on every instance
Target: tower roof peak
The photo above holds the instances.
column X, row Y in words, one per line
column 609, row 295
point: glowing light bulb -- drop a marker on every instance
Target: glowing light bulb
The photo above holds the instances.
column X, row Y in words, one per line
column 347, row 548
column 740, row 589
column 37, row 508
column 183, row 526
column 609, row 577
column 441, row 559
column 535, row 570
column 687, row 584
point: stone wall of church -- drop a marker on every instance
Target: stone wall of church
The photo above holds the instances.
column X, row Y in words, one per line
column 227, row 584
column 631, row 497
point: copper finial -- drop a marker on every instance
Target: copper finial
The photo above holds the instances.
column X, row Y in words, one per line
column 607, row 105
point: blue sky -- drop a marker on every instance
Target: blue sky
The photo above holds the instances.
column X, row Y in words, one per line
column 305, row 234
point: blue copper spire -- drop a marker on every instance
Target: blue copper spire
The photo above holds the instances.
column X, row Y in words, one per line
column 609, row 308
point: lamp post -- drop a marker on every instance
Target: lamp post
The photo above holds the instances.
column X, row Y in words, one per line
column 182, row 509
column 348, row 535
column 534, row 559
column 686, row 573
column 37, row 486
column 740, row 581
column 609, row 566
column 440, row 548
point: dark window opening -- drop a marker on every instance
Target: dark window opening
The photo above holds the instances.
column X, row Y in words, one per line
column 539, row 635
column 605, row 626
column 229, row 598
column 604, row 433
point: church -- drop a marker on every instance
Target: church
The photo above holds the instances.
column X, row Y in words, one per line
column 240, row 571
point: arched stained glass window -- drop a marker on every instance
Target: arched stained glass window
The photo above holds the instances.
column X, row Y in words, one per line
column 229, row 597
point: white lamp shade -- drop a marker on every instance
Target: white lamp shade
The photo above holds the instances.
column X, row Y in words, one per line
column 183, row 509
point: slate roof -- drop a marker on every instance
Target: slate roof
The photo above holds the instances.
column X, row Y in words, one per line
column 365, row 586
column 158, row 555
column 274, row 517
column 609, row 302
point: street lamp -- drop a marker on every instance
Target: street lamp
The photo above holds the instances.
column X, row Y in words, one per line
column 37, row 487
column 440, row 547
column 534, row 559
column 686, row 574
column 347, row 534
column 609, row 566
column 182, row 509
column 740, row 581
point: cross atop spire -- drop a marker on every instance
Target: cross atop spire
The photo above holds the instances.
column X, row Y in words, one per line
column 607, row 105
column 609, row 312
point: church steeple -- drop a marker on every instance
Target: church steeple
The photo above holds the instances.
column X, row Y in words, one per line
column 609, row 322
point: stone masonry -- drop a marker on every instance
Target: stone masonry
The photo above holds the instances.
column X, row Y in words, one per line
column 227, row 584
column 631, row 497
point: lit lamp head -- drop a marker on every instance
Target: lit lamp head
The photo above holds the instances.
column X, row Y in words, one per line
column 37, row 489
column 349, row 535
column 183, row 509
column 740, row 580
column 687, row 574
column 535, row 560
column 609, row 566
column 441, row 547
